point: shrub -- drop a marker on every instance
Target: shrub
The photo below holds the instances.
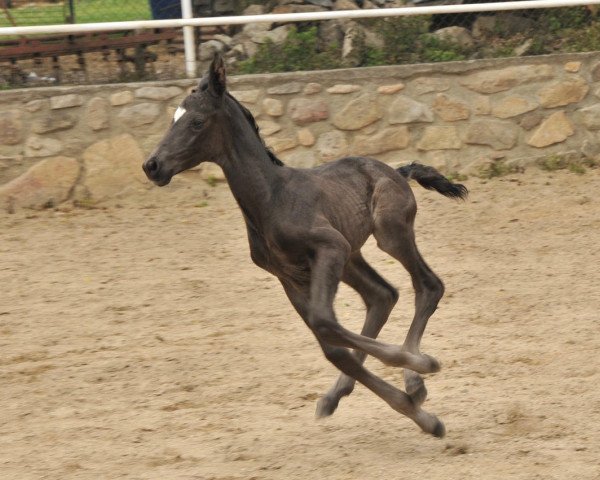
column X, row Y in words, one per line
column 402, row 37
column 408, row 40
column 298, row 52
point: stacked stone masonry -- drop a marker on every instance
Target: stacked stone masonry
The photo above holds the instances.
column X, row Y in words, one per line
column 88, row 143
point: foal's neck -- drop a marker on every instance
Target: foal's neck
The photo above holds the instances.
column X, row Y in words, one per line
column 251, row 174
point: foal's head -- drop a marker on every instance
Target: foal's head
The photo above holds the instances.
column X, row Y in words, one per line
column 197, row 133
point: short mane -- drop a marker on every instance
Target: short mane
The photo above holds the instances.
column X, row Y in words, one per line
column 254, row 125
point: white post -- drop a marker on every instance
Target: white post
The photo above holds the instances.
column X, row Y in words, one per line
column 188, row 40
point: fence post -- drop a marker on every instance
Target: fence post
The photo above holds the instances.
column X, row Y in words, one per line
column 188, row 40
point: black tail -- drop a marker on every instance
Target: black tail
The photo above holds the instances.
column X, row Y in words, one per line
column 431, row 179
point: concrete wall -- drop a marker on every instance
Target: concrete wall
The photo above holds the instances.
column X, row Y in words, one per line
column 88, row 142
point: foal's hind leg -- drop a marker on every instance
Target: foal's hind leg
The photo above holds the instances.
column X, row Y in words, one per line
column 395, row 235
column 379, row 297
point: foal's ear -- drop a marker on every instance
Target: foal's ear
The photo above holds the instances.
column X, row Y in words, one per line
column 217, row 79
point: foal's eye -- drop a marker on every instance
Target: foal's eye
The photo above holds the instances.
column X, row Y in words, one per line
column 197, row 123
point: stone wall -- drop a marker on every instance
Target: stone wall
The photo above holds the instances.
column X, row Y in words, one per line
column 87, row 143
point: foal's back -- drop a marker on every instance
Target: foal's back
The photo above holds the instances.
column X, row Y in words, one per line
column 347, row 194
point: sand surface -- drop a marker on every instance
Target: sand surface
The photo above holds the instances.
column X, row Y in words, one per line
column 138, row 341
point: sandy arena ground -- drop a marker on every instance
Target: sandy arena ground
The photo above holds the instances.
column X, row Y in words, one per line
column 138, row 341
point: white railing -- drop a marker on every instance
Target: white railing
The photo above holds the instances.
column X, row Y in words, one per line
column 187, row 23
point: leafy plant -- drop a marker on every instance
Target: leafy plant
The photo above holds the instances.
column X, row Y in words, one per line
column 572, row 162
column 552, row 163
column 456, row 177
column 402, row 37
column 374, row 56
column 497, row 168
column 577, row 168
column 437, row 50
column 555, row 19
column 299, row 51
column 212, row 181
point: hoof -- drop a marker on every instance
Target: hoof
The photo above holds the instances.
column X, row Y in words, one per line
column 435, row 365
column 430, row 424
column 415, row 388
column 439, row 430
column 325, row 407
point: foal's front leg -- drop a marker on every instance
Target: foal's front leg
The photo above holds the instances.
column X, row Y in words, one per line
column 379, row 298
column 317, row 310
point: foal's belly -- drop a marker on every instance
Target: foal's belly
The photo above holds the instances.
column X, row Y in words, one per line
column 352, row 218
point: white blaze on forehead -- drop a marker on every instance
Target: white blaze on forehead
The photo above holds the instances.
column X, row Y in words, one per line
column 178, row 113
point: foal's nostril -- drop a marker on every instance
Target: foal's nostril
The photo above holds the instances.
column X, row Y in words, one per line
column 151, row 166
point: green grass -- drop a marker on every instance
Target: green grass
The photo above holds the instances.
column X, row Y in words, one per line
column 212, row 181
column 86, row 11
column 572, row 162
column 553, row 162
column 496, row 169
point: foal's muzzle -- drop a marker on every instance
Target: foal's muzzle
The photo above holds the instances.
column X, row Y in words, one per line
column 153, row 170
